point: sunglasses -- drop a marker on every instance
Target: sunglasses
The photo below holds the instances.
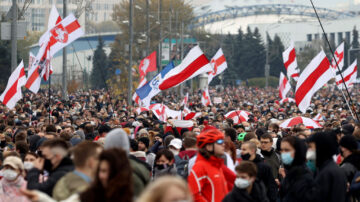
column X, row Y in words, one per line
column 221, row 141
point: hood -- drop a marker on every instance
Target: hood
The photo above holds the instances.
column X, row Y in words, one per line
column 326, row 146
column 118, row 139
column 300, row 154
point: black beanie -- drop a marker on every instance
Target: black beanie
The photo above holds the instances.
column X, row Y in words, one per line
column 144, row 140
column 349, row 142
column 347, row 129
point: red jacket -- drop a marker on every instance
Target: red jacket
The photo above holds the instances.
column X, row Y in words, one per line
column 207, row 181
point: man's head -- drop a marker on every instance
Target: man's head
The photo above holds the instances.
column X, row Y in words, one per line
column 53, row 151
column 348, row 145
column 143, row 144
column 175, row 146
column 273, row 127
column 266, row 142
column 211, row 142
column 86, row 156
column 239, row 128
column 189, row 141
column 248, row 151
column 246, row 173
column 230, row 134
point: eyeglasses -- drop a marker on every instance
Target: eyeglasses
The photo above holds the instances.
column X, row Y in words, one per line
column 264, row 142
column 221, row 141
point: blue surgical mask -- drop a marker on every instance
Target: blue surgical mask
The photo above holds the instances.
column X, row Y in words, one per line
column 286, row 158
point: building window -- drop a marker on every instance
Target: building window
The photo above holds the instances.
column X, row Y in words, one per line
column 309, row 37
column 316, row 36
column 332, row 37
column 347, row 37
column 340, row 37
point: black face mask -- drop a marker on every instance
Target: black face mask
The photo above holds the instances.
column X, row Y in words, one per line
column 161, row 166
column 245, row 157
column 2, row 144
column 47, row 165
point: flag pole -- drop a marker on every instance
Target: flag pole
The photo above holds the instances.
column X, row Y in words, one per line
column 337, row 65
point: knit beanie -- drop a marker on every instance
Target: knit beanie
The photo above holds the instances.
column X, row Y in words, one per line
column 144, row 140
column 349, row 142
column 118, row 139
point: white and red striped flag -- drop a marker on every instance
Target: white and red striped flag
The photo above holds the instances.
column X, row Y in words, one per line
column 314, row 76
column 284, row 86
column 12, row 93
column 205, row 97
column 185, row 100
column 135, row 96
column 148, row 64
column 349, row 75
column 194, row 63
column 290, row 63
column 54, row 19
column 339, row 56
column 218, row 64
column 34, row 79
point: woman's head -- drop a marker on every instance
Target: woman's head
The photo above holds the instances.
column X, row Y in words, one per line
column 166, row 189
column 13, row 168
column 293, row 151
column 29, row 160
column 164, row 157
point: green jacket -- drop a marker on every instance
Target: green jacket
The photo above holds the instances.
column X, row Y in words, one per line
column 140, row 176
column 68, row 185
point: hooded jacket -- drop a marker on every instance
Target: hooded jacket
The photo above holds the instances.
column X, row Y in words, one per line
column 258, row 194
column 298, row 185
column 330, row 179
column 206, row 181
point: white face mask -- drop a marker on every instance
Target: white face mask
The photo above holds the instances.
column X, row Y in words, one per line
column 28, row 165
column 242, row 183
column 10, row 175
column 311, row 155
column 175, row 152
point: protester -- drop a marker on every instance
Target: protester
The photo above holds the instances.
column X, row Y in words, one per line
column 207, row 173
column 85, row 158
column 54, row 160
column 143, row 145
column 298, row 183
column 247, row 188
column 271, row 158
column 12, row 180
column 164, row 164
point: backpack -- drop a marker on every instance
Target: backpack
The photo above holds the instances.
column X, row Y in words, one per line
column 182, row 166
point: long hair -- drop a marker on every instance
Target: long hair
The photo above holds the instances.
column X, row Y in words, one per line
column 119, row 187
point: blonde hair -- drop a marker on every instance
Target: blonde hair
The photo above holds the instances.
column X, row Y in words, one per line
column 156, row 190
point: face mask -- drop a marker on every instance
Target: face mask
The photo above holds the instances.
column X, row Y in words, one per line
column 242, row 183
column 311, row 155
column 28, row 165
column 286, row 158
column 175, row 152
column 10, row 175
column 247, row 128
column 47, row 165
column 161, row 166
column 311, row 165
column 245, row 157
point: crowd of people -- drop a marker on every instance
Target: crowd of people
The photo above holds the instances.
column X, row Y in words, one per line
column 94, row 147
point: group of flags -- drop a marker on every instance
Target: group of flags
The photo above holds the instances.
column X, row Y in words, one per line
column 316, row 74
column 194, row 64
column 60, row 33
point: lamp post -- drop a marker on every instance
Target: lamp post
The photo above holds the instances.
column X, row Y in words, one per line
column 130, row 52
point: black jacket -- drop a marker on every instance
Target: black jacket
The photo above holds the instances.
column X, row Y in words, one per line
column 258, row 194
column 298, row 185
column 65, row 166
column 273, row 160
column 265, row 175
column 350, row 166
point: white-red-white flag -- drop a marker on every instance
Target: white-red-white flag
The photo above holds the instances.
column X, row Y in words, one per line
column 205, row 97
column 33, row 79
column 185, row 100
column 339, row 56
column 54, row 19
column 218, row 64
column 314, row 76
column 135, row 96
column 349, row 75
column 284, row 86
column 290, row 63
column 12, row 93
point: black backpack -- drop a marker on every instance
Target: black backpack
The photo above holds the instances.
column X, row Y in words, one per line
column 182, row 166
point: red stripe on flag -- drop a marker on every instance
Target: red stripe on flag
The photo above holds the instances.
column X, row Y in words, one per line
column 58, row 20
column 185, row 73
column 32, row 78
column 347, row 78
column 12, row 91
column 220, row 60
column 311, row 80
column 291, row 59
column 69, row 28
column 295, row 121
column 295, row 75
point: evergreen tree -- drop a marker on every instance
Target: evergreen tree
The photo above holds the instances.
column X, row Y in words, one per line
column 275, row 57
column 100, row 66
column 354, row 45
column 5, row 63
column 228, row 49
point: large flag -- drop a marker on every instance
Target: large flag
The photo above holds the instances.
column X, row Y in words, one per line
column 205, row 97
column 339, row 56
column 135, row 97
column 284, row 86
column 148, row 64
column 151, row 88
column 349, row 75
column 54, row 18
column 33, row 79
column 290, row 63
column 314, row 76
column 12, row 93
column 185, row 100
column 194, row 63
column 218, row 64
